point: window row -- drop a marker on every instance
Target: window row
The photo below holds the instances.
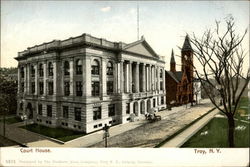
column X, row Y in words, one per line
column 95, row 68
column 97, row 113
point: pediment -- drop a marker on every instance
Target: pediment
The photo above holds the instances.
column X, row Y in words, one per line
column 142, row 48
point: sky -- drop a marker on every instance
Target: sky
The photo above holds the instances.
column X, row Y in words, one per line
column 163, row 24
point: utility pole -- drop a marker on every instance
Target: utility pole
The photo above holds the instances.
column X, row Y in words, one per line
column 138, row 32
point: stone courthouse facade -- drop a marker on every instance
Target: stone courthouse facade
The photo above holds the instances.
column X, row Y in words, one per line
column 83, row 83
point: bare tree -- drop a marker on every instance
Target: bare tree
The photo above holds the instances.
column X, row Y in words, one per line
column 221, row 56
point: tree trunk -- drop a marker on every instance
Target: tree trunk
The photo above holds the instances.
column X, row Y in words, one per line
column 231, row 127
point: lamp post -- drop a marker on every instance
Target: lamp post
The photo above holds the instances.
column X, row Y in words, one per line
column 106, row 134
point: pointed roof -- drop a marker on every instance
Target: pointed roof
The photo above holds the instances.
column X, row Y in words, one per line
column 172, row 57
column 177, row 76
column 187, row 45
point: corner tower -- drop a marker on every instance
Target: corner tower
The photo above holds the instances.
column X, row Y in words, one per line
column 187, row 58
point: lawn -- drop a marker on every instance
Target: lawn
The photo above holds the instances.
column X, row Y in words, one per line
column 57, row 133
column 214, row 134
column 11, row 120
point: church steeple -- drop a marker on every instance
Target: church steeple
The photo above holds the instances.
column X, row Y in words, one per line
column 187, row 45
column 172, row 62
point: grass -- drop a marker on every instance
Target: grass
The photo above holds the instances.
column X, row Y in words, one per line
column 217, row 135
column 57, row 133
column 181, row 130
column 217, row 130
column 11, row 120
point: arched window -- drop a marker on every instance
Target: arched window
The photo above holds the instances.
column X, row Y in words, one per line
column 41, row 70
column 66, row 68
column 95, row 67
column 50, row 69
column 161, row 73
column 110, row 68
column 78, row 66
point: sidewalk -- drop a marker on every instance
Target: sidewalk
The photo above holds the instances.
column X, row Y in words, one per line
column 172, row 121
column 181, row 138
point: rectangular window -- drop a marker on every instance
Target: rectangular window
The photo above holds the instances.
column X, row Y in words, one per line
column 95, row 88
column 33, row 87
column 22, row 87
column 66, row 88
column 41, row 70
column 49, row 110
column 153, row 102
column 95, row 70
column 50, row 86
column 127, row 108
column 97, row 113
column 77, row 114
column 41, row 87
column 111, row 110
column 162, row 100
column 110, row 87
column 22, row 72
column 40, row 109
column 161, row 85
column 32, row 71
column 65, row 111
column 78, row 88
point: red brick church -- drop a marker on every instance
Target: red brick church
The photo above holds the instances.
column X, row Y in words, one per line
column 179, row 86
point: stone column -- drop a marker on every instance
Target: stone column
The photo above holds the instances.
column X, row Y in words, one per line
column 45, row 78
column 147, row 81
column 36, row 79
column 87, row 77
column 158, row 78
column 153, row 77
column 137, row 80
column 18, row 79
column 143, row 78
column 28, row 79
column 104, row 78
column 54, row 78
column 120, row 77
column 163, row 79
column 71, row 77
column 130, row 77
column 127, row 77
column 150, row 78
column 25, row 78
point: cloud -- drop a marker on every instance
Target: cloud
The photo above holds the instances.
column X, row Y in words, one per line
column 106, row 9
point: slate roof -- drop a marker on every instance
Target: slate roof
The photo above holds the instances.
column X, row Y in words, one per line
column 175, row 75
column 187, row 45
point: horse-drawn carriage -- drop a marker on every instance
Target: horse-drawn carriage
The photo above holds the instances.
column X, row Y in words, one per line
column 152, row 117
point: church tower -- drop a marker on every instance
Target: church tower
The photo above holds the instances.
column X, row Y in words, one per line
column 187, row 59
column 172, row 62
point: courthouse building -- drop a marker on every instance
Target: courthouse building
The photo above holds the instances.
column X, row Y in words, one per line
column 83, row 83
